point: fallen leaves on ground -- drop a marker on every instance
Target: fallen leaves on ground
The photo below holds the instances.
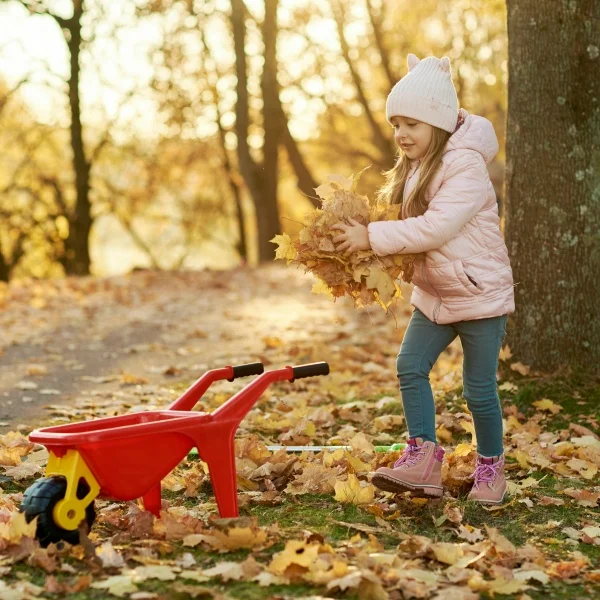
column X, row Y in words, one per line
column 384, row 546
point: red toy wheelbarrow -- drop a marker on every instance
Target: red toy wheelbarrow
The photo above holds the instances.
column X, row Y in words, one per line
column 126, row 457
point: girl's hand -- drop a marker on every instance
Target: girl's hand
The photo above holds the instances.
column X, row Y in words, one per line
column 355, row 237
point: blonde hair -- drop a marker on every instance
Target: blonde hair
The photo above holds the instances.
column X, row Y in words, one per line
column 392, row 190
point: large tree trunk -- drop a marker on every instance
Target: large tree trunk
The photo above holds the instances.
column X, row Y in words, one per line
column 552, row 185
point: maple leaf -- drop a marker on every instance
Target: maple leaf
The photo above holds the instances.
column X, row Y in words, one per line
column 548, row 405
column 296, row 552
column 351, row 491
column 285, row 248
column 17, row 528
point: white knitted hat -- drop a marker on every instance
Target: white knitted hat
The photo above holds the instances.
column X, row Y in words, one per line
column 425, row 93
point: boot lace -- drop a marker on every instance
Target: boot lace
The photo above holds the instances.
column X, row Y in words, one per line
column 410, row 457
column 485, row 473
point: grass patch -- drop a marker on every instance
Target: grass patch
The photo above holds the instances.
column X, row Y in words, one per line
column 579, row 398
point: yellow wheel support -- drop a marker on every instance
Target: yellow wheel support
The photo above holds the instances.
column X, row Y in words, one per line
column 70, row 511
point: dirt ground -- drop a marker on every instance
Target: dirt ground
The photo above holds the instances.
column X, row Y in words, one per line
column 83, row 339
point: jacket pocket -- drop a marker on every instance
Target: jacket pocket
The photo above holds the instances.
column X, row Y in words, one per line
column 469, row 281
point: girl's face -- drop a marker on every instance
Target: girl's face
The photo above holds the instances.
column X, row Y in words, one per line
column 412, row 136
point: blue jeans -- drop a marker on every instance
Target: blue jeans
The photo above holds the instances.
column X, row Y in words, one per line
column 423, row 342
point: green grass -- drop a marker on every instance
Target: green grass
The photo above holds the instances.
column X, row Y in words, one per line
column 580, row 401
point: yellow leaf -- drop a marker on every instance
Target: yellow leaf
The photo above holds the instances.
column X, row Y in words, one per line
column 502, row 586
column 351, row 491
column 232, row 539
column 329, row 458
column 469, row 427
column 548, row 405
column 325, row 191
column 162, row 572
column 358, row 273
column 587, row 441
column 447, row 553
column 273, row 342
column 360, row 443
column 341, row 182
column 462, row 450
column 118, row 585
column 383, row 283
column 358, row 465
column 226, row 570
column 320, row 287
column 529, row 483
column 444, row 434
column 419, row 501
column 521, row 458
column 505, row 353
column 285, row 249
column 305, row 236
column 585, row 468
column 16, row 528
column 295, row 552
column 520, row 368
column 356, row 178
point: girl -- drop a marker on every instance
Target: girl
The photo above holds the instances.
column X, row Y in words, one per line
column 463, row 280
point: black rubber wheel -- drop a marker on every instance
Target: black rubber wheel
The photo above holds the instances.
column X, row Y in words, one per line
column 39, row 500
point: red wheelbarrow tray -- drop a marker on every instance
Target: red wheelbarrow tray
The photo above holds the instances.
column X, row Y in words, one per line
column 129, row 455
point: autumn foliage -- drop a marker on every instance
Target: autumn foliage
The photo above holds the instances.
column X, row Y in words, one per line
column 362, row 275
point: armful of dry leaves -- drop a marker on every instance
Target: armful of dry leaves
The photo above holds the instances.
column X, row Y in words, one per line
column 362, row 275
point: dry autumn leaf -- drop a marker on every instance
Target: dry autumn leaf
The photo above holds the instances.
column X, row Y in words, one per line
column 352, row 491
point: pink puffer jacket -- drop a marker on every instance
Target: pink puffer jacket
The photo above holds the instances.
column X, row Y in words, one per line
column 466, row 272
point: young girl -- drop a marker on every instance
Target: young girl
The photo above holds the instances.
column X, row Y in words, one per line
column 463, row 280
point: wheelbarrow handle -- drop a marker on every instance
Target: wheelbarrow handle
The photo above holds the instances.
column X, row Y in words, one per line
column 310, row 370
column 192, row 395
column 247, row 370
column 236, row 408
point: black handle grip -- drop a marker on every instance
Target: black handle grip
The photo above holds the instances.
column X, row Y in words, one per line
column 246, row 370
column 310, row 370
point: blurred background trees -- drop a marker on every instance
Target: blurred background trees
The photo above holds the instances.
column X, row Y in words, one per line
column 186, row 133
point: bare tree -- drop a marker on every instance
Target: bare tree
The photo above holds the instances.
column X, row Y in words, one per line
column 76, row 255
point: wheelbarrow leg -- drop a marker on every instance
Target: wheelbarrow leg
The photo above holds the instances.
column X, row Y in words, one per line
column 218, row 452
column 152, row 501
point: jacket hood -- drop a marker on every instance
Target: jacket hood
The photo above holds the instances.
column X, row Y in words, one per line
column 475, row 133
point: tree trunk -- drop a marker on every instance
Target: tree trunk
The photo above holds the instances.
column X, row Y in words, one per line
column 384, row 144
column 269, row 211
column 553, row 183
column 77, row 254
column 304, row 179
column 260, row 179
